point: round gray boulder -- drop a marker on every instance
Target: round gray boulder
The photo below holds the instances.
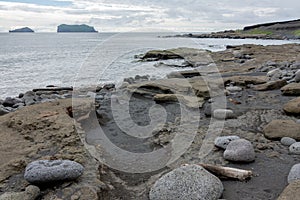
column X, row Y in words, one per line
column 294, row 173
column 287, row 141
column 190, row 182
column 240, row 150
column 44, row 171
column 223, row 141
column 295, row 148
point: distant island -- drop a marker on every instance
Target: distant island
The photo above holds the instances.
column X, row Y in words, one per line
column 274, row 30
column 22, row 30
column 83, row 28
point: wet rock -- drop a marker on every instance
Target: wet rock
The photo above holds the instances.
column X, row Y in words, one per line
column 295, row 148
column 282, row 128
column 287, row 141
column 44, row 171
column 3, row 110
column 292, row 107
column 240, row 150
column 8, row 102
column 292, row 89
column 294, row 173
column 31, row 193
column 271, row 85
column 29, row 98
column 190, row 182
column 222, row 142
column 291, row 192
column 223, row 114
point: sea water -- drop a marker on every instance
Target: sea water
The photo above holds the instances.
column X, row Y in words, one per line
column 33, row 60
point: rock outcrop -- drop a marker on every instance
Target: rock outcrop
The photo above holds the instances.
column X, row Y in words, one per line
column 64, row 28
column 22, row 30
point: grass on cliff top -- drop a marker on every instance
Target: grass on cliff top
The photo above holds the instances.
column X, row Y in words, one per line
column 297, row 33
column 259, row 31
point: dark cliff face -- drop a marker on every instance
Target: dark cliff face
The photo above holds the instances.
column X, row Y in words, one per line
column 22, row 30
column 75, row 28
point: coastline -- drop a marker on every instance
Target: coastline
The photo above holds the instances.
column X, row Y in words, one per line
column 258, row 82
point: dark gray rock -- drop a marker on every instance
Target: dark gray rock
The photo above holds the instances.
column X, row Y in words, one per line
column 222, row 142
column 3, row 110
column 29, row 98
column 8, row 102
column 287, row 141
column 44, row 171
column 294, row 173
column 297, row 76
column 190, row 182
column 295, row 148
column 240, row 150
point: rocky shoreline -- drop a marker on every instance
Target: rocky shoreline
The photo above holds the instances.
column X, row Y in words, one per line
column 286, row 30
column 260, row 85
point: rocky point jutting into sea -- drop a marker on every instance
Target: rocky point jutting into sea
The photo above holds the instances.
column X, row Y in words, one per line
column 275, row 31
column 261, row 87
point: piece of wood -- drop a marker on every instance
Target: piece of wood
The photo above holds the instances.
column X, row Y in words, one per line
column 228, row 172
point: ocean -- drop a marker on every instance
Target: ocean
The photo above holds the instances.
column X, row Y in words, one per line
column 34, row 60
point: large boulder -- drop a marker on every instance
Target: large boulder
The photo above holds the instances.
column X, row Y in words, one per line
column 292, row 89
column 190, row 182
column 291, row 192
column 292, row 107
column 282, row 128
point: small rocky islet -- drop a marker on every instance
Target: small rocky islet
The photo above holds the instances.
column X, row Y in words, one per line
column 261, row 131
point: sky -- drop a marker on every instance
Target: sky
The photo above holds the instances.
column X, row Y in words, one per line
column 130, row 15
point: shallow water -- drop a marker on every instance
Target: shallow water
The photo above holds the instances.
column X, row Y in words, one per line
column 30, row 61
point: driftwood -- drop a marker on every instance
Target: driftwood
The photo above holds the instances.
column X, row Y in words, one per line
column 228, row 172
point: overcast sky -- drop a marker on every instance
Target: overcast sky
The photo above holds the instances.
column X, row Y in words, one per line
column 126, row 15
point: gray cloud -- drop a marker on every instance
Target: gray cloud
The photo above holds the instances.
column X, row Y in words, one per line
column 192, row 15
